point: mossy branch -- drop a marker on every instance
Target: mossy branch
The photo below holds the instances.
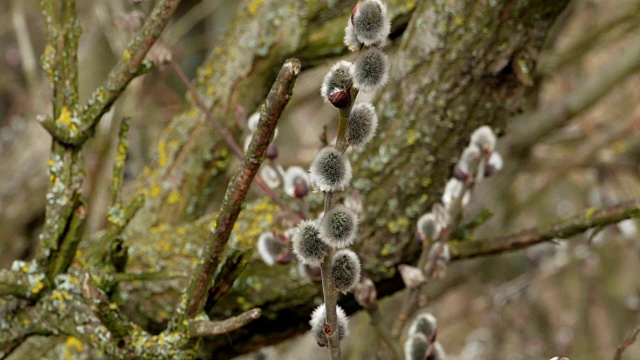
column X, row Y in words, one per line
column 128, row 67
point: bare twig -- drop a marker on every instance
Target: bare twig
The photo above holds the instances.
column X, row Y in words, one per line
column 627, row 342
column 238, row 186
column 562, row 229
column 211, row 328
column 228, row 139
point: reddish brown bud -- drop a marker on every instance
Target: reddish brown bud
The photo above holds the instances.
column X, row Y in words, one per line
column 300, row 188
column 340, row 99
column 272, row 151
column 365, row 292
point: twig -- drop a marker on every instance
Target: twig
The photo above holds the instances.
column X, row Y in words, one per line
column 328, row 288
column 627, row 342
column 15, row 283
column 562, row 229
column 127, row 68
column 211, row 328
column 233, row 265
column 277, row 99
column 226, row 136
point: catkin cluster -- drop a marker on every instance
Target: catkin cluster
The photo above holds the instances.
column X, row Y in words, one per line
column 421, row 342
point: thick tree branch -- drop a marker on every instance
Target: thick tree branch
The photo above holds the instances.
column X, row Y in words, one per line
column 562, row 229
column 238, row 186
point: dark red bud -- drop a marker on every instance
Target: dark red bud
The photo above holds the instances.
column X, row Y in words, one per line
column 300, row 188
column 285, row 258
column 327, row 329
column 459, row 174
column 340, row 99
column 354, row 11
column 272, row 151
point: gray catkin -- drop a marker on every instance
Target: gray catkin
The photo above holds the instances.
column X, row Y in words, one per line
column 345, row 269
column 362, row 125
column 307, row 244
column 371, row 70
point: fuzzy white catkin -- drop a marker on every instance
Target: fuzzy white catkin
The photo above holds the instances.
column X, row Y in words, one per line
column 425, row 324
column 371, row 24
column 428, row 227
column 330, row 170
column 307, row 244
column 345, row 269
column 270, row 176
column 269, row 248
column 484, row 138
column 339, row 78
column 452, row 190
column 362, row 124
column 371, row 70
column 339, row 227
column 318, row 318
column 470, row 156
column 350, row 38
column 438, row 352
column 416, row 347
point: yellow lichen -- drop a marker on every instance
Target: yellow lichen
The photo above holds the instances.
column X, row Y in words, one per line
column 162, row 154
column 126, row 55
column 155, row 189
column 589, row 213
column 399, row 224
column 253, row 7
column 65, row 119
column 174, row 197
column 73, row 346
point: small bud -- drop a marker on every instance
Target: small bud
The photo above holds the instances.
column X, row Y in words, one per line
column 307, row 244
column 365, row 292
column 428, row 228
column 340, row 99
column 425, row 324
column 452, row 190
column 493, row 165
column 353, row 201
column 345, row 269
column 338, row 80
column 300, row 189
column 272, row 151
column 362, row 124
column 294, row 175
column 318, row 322
column 416, row 347
column 370, row 22
column 439, row 354
column 484, row 139
column 270, row 176
column 371, row 70
column 411, row 276
column 330, row 170
column 270, row 248
column 339, row 227
column 468, row 161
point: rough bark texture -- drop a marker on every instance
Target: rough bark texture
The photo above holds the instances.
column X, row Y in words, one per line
column 456, row 65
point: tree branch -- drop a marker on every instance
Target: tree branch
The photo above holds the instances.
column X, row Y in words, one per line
column 627, row 342
column 198, row 328
column 562, row 229
column 238, row 186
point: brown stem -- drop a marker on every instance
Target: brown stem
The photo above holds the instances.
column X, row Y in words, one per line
column 210, row 328
column 277, row 99
column 627, row 342
column 226, row 136
column 562, row 229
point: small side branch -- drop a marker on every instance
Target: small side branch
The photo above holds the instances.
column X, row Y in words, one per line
column 211, row 328
column 563, row 229
column 627, row 342
column 277, row 99
column 15, row 283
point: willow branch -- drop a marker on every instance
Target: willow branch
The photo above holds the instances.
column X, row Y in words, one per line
column 211, row 328
column 228, row 139
column 239, row 185
column 562, row 229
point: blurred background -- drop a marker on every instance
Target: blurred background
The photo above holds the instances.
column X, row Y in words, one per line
column 578, row 298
